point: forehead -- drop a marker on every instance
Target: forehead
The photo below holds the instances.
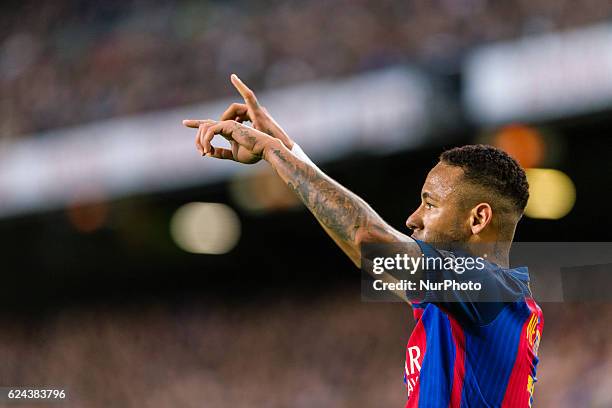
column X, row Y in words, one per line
column 443, row 180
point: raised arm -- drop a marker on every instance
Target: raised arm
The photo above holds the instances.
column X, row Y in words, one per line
column 348, row 219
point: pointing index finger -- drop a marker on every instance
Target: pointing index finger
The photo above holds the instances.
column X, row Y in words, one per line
column 195, row 123
column 246, row 93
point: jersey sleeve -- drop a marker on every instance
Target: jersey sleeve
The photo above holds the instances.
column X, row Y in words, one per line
column 299, row 153
column 473, row 295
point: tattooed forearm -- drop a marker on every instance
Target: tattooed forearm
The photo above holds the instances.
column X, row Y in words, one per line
column 348, row 220
column 336, row 208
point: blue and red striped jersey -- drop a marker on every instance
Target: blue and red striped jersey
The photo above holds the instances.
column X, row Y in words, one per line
column 467, row 353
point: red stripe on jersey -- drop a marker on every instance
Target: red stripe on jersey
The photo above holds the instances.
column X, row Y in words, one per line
column 520, row 385
column 459, row 366
column 417, row 313
column 415, row 351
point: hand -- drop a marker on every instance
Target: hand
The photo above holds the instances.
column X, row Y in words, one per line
column 248, row 144
column 253, row 112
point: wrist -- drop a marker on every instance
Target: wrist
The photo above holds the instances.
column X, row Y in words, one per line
column 271, row 145
column 287, row 141
column 277, row 133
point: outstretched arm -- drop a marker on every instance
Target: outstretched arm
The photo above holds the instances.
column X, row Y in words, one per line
column 348, row 219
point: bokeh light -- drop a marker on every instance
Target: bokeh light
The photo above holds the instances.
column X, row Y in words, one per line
column 87, row 217
column 205, row 228
column 552, row 194
column 524, row 143
column 88, row 210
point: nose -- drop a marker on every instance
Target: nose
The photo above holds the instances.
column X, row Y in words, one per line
column 415, row 221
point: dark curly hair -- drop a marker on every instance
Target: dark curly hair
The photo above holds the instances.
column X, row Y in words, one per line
column 492, row 168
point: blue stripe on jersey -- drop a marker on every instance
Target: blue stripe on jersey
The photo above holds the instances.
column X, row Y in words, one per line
column 493, row 354
column 436, row 375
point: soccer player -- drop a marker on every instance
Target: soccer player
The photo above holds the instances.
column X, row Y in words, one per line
column 467, row 349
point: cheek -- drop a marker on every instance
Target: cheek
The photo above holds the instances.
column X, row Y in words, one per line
column 434, row 218
column 443, row 220
column 455, row 224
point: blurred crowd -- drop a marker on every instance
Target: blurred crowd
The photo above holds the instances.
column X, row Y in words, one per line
column 331, row 352
column 65, row 62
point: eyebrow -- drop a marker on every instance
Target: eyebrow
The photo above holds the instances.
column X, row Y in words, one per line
column 425, row 195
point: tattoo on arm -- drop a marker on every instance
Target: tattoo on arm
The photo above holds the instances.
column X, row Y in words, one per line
column 245, row 133
column 334, row 206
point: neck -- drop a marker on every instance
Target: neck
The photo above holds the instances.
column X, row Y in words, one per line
column 496, row 252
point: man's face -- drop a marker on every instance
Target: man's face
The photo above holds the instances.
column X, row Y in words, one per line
column 441, row 218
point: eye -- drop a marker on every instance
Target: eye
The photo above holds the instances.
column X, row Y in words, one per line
column 429, row 206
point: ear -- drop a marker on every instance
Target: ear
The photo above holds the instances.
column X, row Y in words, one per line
column 480, row 216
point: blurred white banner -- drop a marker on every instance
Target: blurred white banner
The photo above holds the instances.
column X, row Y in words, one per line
column 380, row 111
column 546, row 77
